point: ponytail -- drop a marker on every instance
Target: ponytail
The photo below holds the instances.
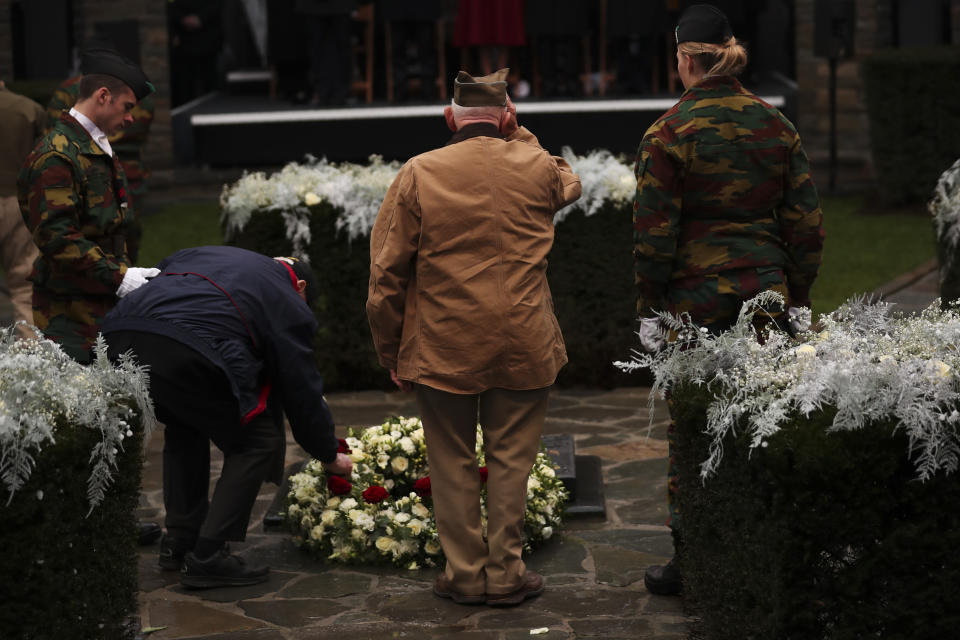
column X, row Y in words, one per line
column 727, row 59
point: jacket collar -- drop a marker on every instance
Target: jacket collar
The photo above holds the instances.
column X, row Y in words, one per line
column 81, row 135
column 474, row 131
column 712, row 84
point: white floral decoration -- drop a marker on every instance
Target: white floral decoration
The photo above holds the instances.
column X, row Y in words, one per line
column 945, row 209
column 385, row 514
column 603, row 177
column 358, row 191
column 868, row 364
column 43, row 392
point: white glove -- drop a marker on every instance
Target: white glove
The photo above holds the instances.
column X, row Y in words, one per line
column 135, row 278
column 650, row 336
column 798, row 318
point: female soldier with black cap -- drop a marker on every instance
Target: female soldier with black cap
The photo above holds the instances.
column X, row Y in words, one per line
column 724, row 209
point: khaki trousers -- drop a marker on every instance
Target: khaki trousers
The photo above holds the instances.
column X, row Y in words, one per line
column 512, row 422
column 17, row 253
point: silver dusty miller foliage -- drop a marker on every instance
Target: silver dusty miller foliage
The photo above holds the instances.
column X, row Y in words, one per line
column 44, row 392
column 869, row 364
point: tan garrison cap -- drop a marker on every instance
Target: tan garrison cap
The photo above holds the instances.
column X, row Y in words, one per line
column 485, row 91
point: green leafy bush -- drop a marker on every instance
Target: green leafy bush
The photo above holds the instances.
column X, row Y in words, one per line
column 913, row 98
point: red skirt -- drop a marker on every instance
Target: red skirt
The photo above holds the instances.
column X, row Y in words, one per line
column 489, row 22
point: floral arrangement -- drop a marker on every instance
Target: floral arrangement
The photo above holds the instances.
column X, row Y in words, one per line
column 358, row 190
column 384, row 512
column 945, row 206
column 44, row 392
column 866, row 363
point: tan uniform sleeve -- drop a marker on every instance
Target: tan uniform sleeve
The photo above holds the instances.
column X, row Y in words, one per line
column 569, row 182
column 393, row 249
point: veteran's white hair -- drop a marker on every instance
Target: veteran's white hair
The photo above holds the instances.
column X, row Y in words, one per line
column 461, row 113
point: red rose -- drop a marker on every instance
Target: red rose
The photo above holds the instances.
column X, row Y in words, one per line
column 338, row 485
column 342, row 446
column 375, row 494
column 483, row 474
column 422, row 487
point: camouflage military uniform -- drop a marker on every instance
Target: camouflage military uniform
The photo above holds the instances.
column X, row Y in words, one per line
column 128, row 144
column 72, row 197
column 725, row 208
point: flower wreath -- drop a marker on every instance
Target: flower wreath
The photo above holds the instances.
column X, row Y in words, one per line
column 384, row 511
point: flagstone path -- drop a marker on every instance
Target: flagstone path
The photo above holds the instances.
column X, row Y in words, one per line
column 594, row 570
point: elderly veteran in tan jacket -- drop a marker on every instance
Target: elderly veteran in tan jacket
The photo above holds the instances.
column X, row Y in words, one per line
column 460, row 307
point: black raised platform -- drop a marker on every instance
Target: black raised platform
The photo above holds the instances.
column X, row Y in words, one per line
column 254, row 131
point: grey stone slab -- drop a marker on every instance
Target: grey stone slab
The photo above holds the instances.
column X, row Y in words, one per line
column 150, row 576
column 669, row 605
column 418, row 606
column 275, row 582
column 405, row 631
column 651, row 510
column 552, row 634
column 652, row 471
column 563, row 556
column 582, row 603
column 292, row 613
column 394, row 583
column 656, row 543
column 595, row 440
column 331, row 584
column 280, row 552
column 184, row 619
column 493, row 618
column 620, row 567
column 594, row 414
column 256, row 634
column 623, row 626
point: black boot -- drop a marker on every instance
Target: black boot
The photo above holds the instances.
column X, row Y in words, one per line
column 148, row 532
column 172, row 552
column 664, row 580
column 222, row 569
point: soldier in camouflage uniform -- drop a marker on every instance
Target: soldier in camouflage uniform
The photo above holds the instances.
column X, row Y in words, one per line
column 71, row 192
column 725, row 207
column 129, row 144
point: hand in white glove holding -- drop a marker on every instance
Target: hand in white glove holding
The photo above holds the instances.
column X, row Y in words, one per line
column 135, row 278
column 650, row 337
column 798, row 318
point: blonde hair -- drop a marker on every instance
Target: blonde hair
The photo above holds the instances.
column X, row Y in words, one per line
column 727, row 59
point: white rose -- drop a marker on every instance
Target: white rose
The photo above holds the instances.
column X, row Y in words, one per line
column 547, row 532
column 333, row 502
column 317, row 533
column 407, row 445
column 399, row 464
column 389, row 484
column 328, row 517
column 401, row 517
column 416, row 526
column 382, row 460
column 348, row 504
column 357, row 534
column 310, row 199
column 386, row 543
column 420, row 510
column 549, row 472
column 293, row 511
column 432, row 548
column 532, row 483
column 805, row 351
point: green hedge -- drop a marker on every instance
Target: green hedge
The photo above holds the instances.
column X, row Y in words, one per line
column 67, row 574
column 913, row 98
column 816, row 535
column 590, row 273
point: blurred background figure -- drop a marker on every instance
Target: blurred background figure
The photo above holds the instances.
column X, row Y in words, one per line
column 327, row 24
column 21, row 123
column 489, row 28
column 557, row 34
column 411, row 33
column 196, row 40
column 632, row 31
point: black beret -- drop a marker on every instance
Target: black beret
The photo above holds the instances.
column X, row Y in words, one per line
column 482, row 91
column 303, row 272
column 108, row 62
column 703, row 23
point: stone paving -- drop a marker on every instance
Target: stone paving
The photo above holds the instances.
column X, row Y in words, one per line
column 594, row 570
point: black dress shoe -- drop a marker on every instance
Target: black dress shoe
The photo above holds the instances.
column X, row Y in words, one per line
column 148, row 532
column 172, row 552
column 222, row 569
column 664, row 580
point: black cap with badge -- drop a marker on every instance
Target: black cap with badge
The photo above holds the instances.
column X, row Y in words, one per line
column 109, row 62
column 703, row 23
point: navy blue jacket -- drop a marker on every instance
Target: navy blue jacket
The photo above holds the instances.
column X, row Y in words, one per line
column 240, row 310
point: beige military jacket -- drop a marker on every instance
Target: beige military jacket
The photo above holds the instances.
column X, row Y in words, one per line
column 458, row 296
